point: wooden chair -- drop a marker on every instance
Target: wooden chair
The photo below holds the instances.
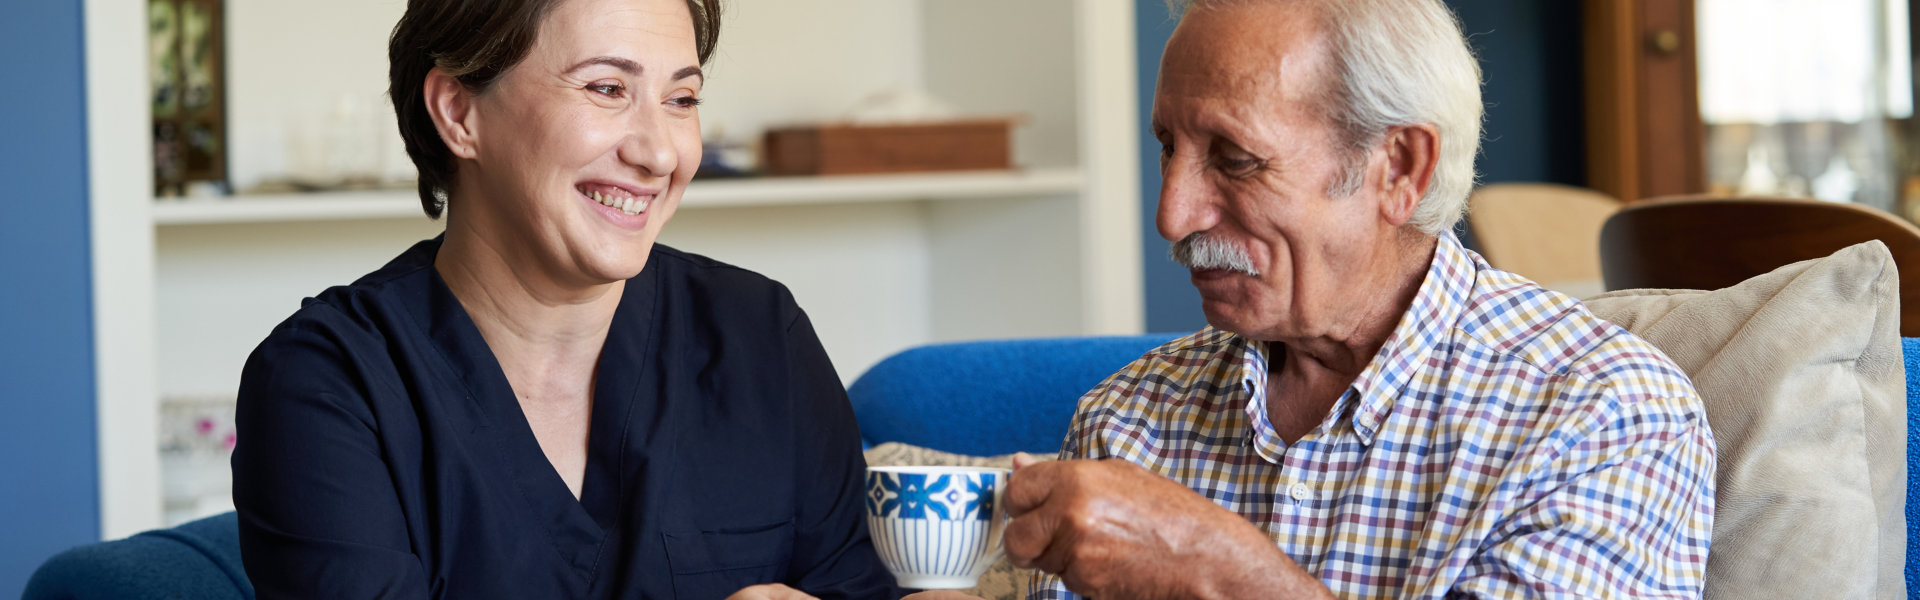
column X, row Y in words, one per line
column 1708, row 243
column 1544, row 232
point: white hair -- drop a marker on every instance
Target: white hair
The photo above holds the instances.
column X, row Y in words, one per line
column 1395, row 63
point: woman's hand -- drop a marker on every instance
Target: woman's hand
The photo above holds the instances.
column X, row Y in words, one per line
column 770, row 591
column 775, row 591
column 941, row 595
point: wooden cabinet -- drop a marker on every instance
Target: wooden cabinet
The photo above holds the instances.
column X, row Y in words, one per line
column 1644, row 133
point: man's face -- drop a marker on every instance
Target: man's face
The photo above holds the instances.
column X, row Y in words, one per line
column 1247, row 159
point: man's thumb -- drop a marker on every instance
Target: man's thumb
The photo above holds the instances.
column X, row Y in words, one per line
column 1021, row 460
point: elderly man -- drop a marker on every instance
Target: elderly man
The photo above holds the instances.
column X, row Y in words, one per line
column 1374, row 412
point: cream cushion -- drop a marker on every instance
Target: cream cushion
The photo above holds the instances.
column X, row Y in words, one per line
column 1805, row 390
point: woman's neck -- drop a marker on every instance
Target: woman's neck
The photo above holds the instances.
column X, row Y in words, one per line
column 547, row 336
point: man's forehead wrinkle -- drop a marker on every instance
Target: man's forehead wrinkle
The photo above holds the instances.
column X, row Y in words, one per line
column 1248, row 76
column 1265, row 64
column 1216, row 79
column 1248, row 110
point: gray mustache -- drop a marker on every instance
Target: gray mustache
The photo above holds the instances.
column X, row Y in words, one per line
column 1200, row 251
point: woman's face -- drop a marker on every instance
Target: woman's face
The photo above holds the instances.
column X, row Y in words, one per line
column 583, row 149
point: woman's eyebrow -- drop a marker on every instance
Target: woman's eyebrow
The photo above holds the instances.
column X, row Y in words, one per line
column 634, row 68
column 686, row 72
column 631, row 68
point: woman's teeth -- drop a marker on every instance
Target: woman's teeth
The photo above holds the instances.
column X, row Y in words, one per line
column 625, row 204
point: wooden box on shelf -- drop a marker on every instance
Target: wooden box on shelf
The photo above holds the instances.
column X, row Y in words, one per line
column 856, row 149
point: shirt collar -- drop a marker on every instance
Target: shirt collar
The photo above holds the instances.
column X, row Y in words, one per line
column 1436, row 307
column 1428, row 321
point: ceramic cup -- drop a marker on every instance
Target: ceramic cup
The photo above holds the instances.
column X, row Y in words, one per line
column 937, row 527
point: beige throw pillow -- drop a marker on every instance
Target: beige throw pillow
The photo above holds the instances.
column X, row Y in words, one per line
column 1001, row 581
column 1805, row 390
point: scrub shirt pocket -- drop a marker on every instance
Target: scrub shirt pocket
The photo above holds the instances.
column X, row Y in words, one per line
column 716, row 563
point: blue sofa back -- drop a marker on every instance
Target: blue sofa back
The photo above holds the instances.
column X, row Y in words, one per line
column 200, row 560
column 1910, row 349
column 988, row 398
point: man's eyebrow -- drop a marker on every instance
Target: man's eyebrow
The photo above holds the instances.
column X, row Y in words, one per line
column 631, row 68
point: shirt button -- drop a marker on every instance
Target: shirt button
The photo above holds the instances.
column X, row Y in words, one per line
column 1300, row 492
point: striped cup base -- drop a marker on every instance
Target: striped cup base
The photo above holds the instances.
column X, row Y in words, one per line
column 936, row 582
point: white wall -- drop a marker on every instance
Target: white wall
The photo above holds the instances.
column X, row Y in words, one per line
column 223, row 287
column 1008, row 268
column 782, row 62
column 119, row 178
column 1024, row 49
column 291, row 66
column 861, row 271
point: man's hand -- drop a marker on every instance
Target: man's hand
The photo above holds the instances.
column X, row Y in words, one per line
column 1113, row 530
column 770, row 591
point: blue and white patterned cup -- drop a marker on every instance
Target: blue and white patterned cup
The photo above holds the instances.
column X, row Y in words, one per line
column 937, row 527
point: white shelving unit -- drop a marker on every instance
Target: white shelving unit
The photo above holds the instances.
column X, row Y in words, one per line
column 185, row 288
column 724, row 193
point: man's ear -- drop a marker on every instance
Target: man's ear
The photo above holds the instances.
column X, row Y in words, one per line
column 450, row 104
column 1413, row 152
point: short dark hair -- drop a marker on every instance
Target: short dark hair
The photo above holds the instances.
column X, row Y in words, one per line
column 474, row 41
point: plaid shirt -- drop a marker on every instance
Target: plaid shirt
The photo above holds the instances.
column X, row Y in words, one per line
column 1504, row 443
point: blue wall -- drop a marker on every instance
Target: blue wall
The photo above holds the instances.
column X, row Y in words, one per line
column 1530, row 59
column 1172, row 305
column 1530, row 54
column 49, row 498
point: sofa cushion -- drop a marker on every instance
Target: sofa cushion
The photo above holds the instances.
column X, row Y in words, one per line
column 1802, row 374
column 1910, row 349
column 1012, row 395
column 200, row 559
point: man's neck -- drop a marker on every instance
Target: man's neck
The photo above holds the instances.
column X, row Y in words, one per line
column 1308, row 375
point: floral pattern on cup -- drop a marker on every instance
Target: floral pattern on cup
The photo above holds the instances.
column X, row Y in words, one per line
column 943, row 496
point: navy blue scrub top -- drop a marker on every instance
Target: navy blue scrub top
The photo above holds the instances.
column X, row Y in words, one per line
column 382, row 454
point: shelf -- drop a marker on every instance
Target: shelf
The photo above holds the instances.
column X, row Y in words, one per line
column 770, row 191
column 382, row 204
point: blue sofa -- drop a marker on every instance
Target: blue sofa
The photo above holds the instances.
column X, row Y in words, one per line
column 1010, row 396
column 198, row 560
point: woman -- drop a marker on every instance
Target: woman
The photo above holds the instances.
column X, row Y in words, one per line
column 542, row 403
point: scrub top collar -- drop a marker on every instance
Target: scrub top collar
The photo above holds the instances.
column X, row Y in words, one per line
column 577, row 529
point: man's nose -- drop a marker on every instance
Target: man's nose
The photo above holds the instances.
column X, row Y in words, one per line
column 650, row 144
column 1188, row 202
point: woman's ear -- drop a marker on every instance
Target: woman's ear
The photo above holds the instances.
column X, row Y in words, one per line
column 450, row 104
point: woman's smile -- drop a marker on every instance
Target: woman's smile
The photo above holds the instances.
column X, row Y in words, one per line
column 622, row 205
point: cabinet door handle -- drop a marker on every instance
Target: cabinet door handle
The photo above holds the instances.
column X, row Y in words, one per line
column 1663, row 42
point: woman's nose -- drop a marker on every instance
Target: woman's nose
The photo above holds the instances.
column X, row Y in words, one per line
column 650, row 144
